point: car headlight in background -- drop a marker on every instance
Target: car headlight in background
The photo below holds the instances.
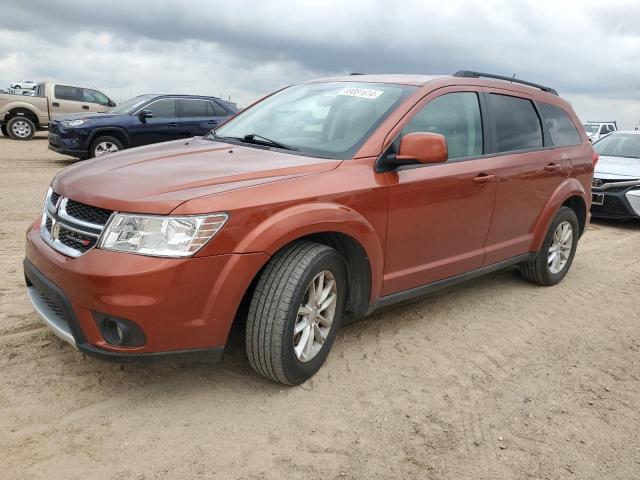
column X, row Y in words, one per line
column 73, row 123
column 170, row 236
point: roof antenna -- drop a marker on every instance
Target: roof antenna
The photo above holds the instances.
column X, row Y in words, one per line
column 513, row 78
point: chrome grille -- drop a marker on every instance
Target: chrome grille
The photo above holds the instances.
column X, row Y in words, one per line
column 71, row 227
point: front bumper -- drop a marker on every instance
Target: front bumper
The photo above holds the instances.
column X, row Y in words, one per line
column 617, row 203
column 183, row 306
column 74, row 146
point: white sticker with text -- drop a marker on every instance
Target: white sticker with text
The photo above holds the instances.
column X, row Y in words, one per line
column 361, row 92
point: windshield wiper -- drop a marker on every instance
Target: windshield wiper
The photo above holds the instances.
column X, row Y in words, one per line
column 260, row 140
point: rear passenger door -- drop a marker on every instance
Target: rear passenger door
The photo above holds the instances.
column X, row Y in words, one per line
column 199, row 116
column 162, row 127
column 66, row 100
column 528, row 171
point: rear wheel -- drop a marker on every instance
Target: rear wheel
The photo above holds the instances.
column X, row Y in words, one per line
column 554, row 259
column 104, row 146
column 20, row 128
column 295, row 312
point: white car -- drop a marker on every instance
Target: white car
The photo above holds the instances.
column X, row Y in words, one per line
column 615, row 192
column 24, row 85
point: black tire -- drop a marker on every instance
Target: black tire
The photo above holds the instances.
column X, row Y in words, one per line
column 537, row 270
column 3, row 129
column 273, row 311
column 28, row 127
column 105, row 138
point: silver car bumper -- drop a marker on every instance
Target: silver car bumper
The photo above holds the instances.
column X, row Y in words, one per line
column 50, row 315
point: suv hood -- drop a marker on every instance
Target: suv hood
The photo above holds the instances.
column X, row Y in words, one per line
column 158, row 178
column 617, row 168
column 89, row 116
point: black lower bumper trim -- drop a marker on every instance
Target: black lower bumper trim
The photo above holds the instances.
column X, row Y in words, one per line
column 70, row 153
column 205, row 355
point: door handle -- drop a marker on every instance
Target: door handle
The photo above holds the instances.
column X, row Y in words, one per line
column 85, row 107
column 55, row 104
column 173, row 124
column 212, row 122
column 484, row 178
column 552, row 167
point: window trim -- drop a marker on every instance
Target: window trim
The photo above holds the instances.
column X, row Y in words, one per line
column 219, row 105
column 494, row 145
column 551, row 143
column 153, row 100
column 55, row 95
column 396, row 131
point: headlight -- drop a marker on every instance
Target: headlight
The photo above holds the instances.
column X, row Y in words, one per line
column 170, row 236
column 73, row 123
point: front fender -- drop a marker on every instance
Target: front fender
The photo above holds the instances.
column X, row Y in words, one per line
column 105, row 129
column 570, row 187
column 306, row 219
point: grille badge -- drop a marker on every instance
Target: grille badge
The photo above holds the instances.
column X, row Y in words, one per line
column 597, row 182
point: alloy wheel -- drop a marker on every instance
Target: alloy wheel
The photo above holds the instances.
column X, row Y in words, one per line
column 315, row 316
column 560, row 249
column 104, row 148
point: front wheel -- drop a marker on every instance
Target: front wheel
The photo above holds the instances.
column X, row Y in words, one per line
column 554, row 259
column 295, row 312
column 104, row 146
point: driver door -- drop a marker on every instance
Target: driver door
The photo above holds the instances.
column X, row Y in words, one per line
column 165, row 124
column 439, row 214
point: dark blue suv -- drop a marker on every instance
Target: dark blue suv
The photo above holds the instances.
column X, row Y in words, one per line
column 138, row 121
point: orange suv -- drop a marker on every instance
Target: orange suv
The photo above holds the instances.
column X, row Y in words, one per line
column 316, row 206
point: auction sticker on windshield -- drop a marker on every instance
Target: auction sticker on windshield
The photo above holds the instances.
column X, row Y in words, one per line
column 361, row 92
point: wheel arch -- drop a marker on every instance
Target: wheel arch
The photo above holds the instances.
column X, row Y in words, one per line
column 570, row 193
column 22, row 111
column 116, row 132
column 335, row 225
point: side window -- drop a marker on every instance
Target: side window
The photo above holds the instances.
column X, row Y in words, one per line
column 215, row 110
column 194, row 108
column 517, row 123
column 94, row 96
column 63, row 92
column 457, row 117
column 561, row 128
column 165, row 107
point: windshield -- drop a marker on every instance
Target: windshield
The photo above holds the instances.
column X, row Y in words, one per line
column 130, row 106
column 591, row 128
column 329, row 120
column 619, row 145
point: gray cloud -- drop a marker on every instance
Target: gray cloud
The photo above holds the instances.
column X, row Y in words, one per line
column 246, row 49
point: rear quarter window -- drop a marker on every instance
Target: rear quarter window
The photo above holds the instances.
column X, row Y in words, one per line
column 517, row 123
column 561, row 128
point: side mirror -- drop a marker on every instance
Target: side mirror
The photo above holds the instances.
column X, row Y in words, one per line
column 144, row 114
column 111, row 103
column 421, row 147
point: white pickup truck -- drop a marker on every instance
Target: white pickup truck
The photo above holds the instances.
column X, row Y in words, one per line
column 597, row 130
column 21, row 115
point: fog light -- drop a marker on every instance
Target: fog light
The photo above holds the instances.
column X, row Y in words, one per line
column 119, row 331
column 113, row 331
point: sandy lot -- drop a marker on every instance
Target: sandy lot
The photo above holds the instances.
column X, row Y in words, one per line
column 492, row 379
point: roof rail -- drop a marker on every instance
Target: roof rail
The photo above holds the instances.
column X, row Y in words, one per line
column 356, row 73
column 472, row 74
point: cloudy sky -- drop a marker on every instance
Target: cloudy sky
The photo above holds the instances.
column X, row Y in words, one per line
column 587, row 50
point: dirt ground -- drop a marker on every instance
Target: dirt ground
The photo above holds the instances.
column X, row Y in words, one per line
column 495, row 379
